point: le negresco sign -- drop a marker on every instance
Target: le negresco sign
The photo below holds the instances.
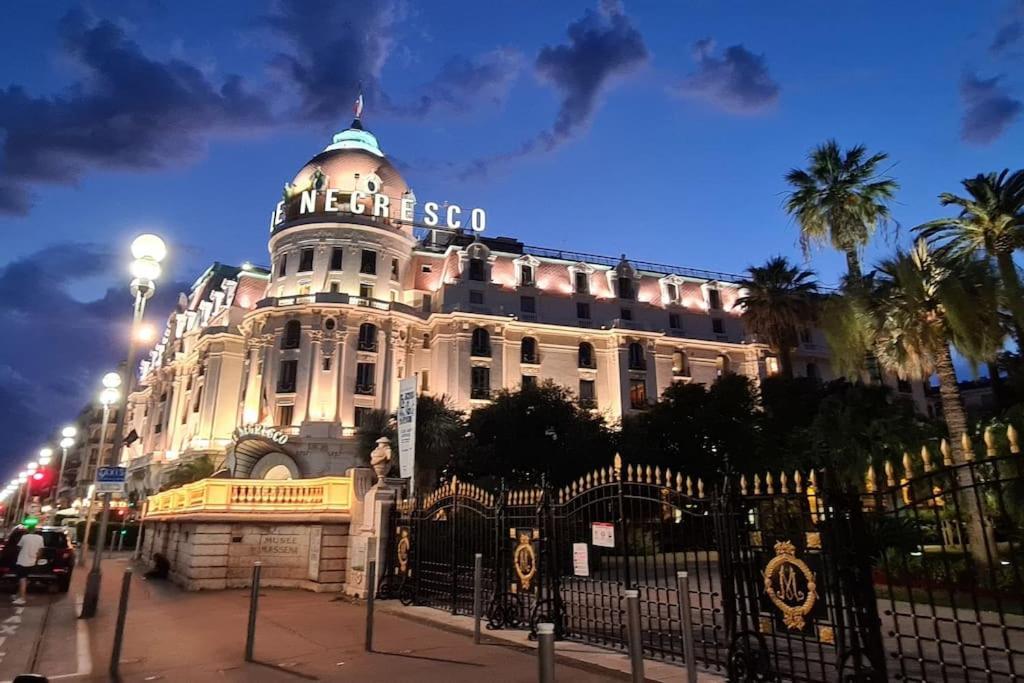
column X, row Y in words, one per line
column 259, row 430
column 450, row 216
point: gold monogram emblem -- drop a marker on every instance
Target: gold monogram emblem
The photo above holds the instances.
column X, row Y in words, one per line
column 782, row 583
column 524, row 560
column 403, row 551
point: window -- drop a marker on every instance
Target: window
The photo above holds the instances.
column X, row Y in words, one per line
column 361, row 415
column 426, row 268
column 526, row 275
column 286, row 376
column 329, row 324
column 292, row 335
column 529, row 382
column 159, row 426
column 198, row 400
column 637, row 394
column 365, row 374
column 528, row 351
column 587, row 395
column 368, row 262
column 582, row 282
column 367, row 337
column 427, row 301
column 636, row 357
column 366, row 291
column 480, row 383
column 527, row 304
column 476, row 297
column 771, row 366
column 305, row 260
column 188, row 383
column 715, row 299
column 337, row 258
column 426, row 341
column 394, row 269
column 812, row 370
column 680, row 366
column 476, row 269
column 583, row 311
column 481, row 345
column 285, row 415
column 424, row 380
column 282, row 266
column 325, row 363
column 673, row 322
column 671, row 293
column 625, row 288
column 626, row 314
column 723, row 365
column 717, row 326
column 335, row 287
column 303, row 289
column 586, row 355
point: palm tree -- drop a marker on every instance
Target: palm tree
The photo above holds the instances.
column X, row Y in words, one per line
column 375, row 424
column 193, row 470
column 990, row 223
column 924, row 304
column 780, row 299
column 840, row 200
column 439, row 430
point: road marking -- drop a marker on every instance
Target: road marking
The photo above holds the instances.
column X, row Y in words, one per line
column 81, row 645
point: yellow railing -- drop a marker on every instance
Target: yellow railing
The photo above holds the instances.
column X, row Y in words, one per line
column 322, row 495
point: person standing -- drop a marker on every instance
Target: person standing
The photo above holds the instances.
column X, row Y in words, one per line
column 29, row 548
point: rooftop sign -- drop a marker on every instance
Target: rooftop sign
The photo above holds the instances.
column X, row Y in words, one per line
column 268, row 433
column 450, row 216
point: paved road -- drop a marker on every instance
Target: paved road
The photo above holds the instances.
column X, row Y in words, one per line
column 22, row 647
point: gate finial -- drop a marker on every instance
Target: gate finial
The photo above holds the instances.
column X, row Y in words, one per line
column 947, row 455
column 617, row 463
column 990, row 442
column 926, row 458
column 965, row 443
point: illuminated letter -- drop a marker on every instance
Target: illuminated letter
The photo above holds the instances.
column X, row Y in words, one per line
column 450, row 221
column 408, row 206
column 279, row 214
column 430, row 214
column 478, row 220
column 331, row 200
column 381, row 202
column 354, row 205
column 308, row 202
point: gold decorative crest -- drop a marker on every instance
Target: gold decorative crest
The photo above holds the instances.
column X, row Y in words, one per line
column 782, row 578
column 403, row 551
column 525, row 561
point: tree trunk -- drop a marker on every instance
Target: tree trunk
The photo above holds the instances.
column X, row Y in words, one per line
column 1014, row 297
column 786, row 361
column 952, row 404
column 853, row 265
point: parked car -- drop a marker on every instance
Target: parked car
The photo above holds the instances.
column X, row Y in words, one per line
column 54, row 567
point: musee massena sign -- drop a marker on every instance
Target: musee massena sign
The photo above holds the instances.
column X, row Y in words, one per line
column 450, row 216
column 268, row 433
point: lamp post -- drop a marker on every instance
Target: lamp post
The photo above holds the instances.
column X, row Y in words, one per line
column 68, row 435
column 148, row 251
column 23, row 480
column 108, row 397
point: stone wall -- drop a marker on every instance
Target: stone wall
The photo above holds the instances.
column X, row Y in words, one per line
column 211, row 555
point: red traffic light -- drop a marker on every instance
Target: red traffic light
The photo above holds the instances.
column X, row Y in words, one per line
column 41, row 480
column 38, row 476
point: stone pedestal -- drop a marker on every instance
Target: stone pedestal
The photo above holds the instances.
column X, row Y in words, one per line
column 369, row 537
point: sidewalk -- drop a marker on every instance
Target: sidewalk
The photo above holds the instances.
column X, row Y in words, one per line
column 172, row 635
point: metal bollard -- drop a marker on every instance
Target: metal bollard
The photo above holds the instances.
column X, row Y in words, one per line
column 122, row 613
column 254, row 600
column 371, row 590
column 546, row 653
column 636, row 649
column 686, row 619
column 478, row 594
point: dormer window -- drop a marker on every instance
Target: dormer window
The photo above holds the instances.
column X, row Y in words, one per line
column 582, row 282
column 476, row 269
column 714, row 299
column 671, row 293
column 526, row 276
column 626, row 288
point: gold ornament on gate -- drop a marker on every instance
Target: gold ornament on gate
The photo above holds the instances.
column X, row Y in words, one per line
column 782, row 579
column 403, row 551
column 525, row 561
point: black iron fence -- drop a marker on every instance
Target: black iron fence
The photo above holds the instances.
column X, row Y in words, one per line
column 791, row 576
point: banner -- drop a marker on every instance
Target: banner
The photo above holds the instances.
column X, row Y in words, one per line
column 406, row 426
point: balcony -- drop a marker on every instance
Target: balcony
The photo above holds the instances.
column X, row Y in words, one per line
column 369, row 345
column 365, row 389
column 480, row 393
column 223, row 497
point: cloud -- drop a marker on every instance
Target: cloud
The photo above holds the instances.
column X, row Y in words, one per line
column 1010, row 30
column 989, row 110
column 464, row 82
column 601, row 46
column 737, row 82
column 127, row 111
column 42, row 384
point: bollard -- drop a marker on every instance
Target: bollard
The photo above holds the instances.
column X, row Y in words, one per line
column 371, row 589
column 122, row 613
column 478, row 594
column 686, row 619
column 636, row 649
column 254, row 600
column 546, row 653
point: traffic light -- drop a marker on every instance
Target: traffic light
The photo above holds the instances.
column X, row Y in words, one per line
column 41, row 481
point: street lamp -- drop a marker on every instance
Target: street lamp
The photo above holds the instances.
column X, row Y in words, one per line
column 68, row 433
column 148, row 251
column 108, row 397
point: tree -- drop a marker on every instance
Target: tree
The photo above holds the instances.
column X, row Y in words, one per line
column 440, row 431
column 990, row 224
column 780, row 299
column 840, row 199
column 374, row 425
column 924, row 304
column 188, row 472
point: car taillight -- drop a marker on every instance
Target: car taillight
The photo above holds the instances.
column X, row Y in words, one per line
column 67, row 554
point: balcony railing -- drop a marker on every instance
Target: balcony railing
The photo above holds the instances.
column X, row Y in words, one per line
column 227, row 496
column 483, row 393
column 365, row 389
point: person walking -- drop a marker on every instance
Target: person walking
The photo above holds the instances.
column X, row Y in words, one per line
column 30, row 546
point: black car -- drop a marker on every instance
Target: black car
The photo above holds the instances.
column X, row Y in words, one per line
column 54, row 566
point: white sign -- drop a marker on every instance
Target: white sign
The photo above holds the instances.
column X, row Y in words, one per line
column 602, row 534
column 407, row 426
column 580, row 559
column 378, row 205
column 270, row 433
column 110, row 479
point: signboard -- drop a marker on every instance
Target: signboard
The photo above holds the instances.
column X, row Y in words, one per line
column 580, row 559
column 269, row 433
column 406, row 426
column 602, row 534
column 110, row 479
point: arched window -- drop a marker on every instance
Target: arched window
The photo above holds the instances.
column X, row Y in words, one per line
column 723, row 365
column 626, row 288
column 586, row 355
column 636, row 357
column 528, row 351
column 367, row 337
column 292, row 335
column 481, row 343
column 680, row 366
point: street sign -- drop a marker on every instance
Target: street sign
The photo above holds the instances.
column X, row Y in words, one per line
column 110, row 479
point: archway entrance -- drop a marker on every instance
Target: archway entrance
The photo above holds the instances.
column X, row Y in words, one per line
column 258, row 457
column 278, row 473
